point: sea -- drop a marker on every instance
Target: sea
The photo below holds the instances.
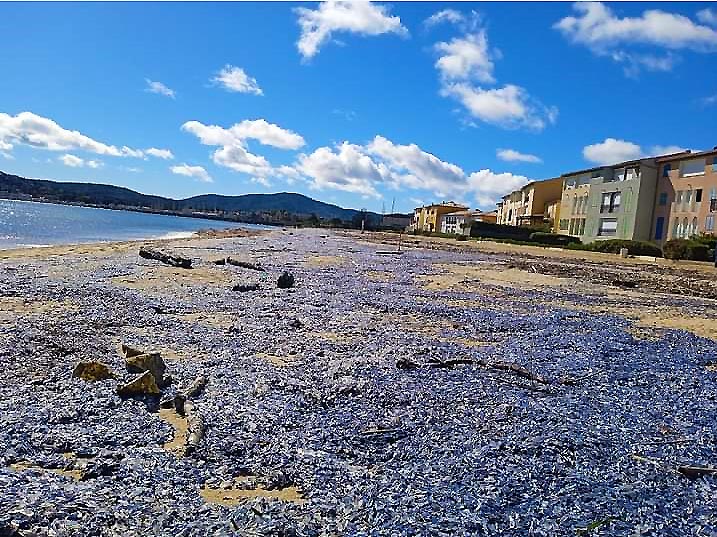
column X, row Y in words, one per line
column 32, row 224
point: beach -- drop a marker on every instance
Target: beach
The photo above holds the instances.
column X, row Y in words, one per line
column 462, row 388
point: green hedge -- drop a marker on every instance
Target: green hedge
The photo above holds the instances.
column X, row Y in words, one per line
column 553, row 239
column 613, row 246
column 690, row 249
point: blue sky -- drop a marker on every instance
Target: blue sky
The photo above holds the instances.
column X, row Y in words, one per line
column 358, row 104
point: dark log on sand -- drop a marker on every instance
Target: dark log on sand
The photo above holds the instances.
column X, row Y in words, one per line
column 245, row 264
column 168, row 259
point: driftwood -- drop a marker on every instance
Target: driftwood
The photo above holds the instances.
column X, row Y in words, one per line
column 168, row 259
column 196, row 387
column 518, row 370
column 244, row 287
column 694, row 472
column 195, row 429
column 447, row 364
column 502, row 366
column 245, row 264
column 370, row 432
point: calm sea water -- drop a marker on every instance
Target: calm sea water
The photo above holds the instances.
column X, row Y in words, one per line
column 26, row 223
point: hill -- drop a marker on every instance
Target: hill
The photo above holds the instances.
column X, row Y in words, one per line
column 114, row 196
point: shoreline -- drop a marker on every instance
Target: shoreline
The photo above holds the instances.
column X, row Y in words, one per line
column 101, row 247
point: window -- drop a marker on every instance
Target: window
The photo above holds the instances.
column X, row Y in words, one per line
column 685, row 231
column 581, row 231
column 563, row 224
column 666, row 170
column 693, row 230
column 619, row 174
column 610, row 202
column 698, row 195
column 663, row 198
column 678, row 198
column 710, row 223
column 688, row 200
column 693, row 167
column 608, row 226
column 676, row 228
column 658, row 228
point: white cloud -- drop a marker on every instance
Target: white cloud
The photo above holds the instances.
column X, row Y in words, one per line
column 43, row 133
column 346, row 167
column 445, row 15
column 707, row 16
column 416, row 168
column 511, row 155
column 74, row 161
column 508, row 107
column 487, row 186
column 362, row 169
column 235, row 79
column 465, row 57
column 165, row 154
column 159, row 88
column 657, row 150
column 267, row 134
column 606, row 34
column 353, row 16
column 612, row 151
column 258, row 129
column 233, row 152
column 464, row 22
column 597, row 26
column 197, row 172
column 707, row 101
column 131, row 169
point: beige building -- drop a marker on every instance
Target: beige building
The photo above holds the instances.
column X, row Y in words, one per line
column 428, row 217
column 459, row 222
column 686, row 200
column 531, row 205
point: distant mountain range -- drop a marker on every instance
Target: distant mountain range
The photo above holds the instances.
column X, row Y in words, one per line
column 115, row 196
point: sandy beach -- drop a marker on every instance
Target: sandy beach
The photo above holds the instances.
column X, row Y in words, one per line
column 380, row 378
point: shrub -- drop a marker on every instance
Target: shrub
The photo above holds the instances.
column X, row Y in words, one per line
column 553, row 238
column 686, row 249
column 613, row 246
column 461, row 237
column 708, row 240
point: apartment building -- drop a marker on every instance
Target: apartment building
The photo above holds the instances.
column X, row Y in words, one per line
column 610, row 202
column 686, row 202
column 459, row 222
column 428, row 217
column 529, row 206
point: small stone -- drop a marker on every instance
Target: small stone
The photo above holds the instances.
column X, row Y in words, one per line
column 286, row 280
column 143, row 384
column 92, row 371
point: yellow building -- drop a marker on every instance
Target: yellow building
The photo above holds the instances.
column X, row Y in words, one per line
column 428, row 217
column 531, row 205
